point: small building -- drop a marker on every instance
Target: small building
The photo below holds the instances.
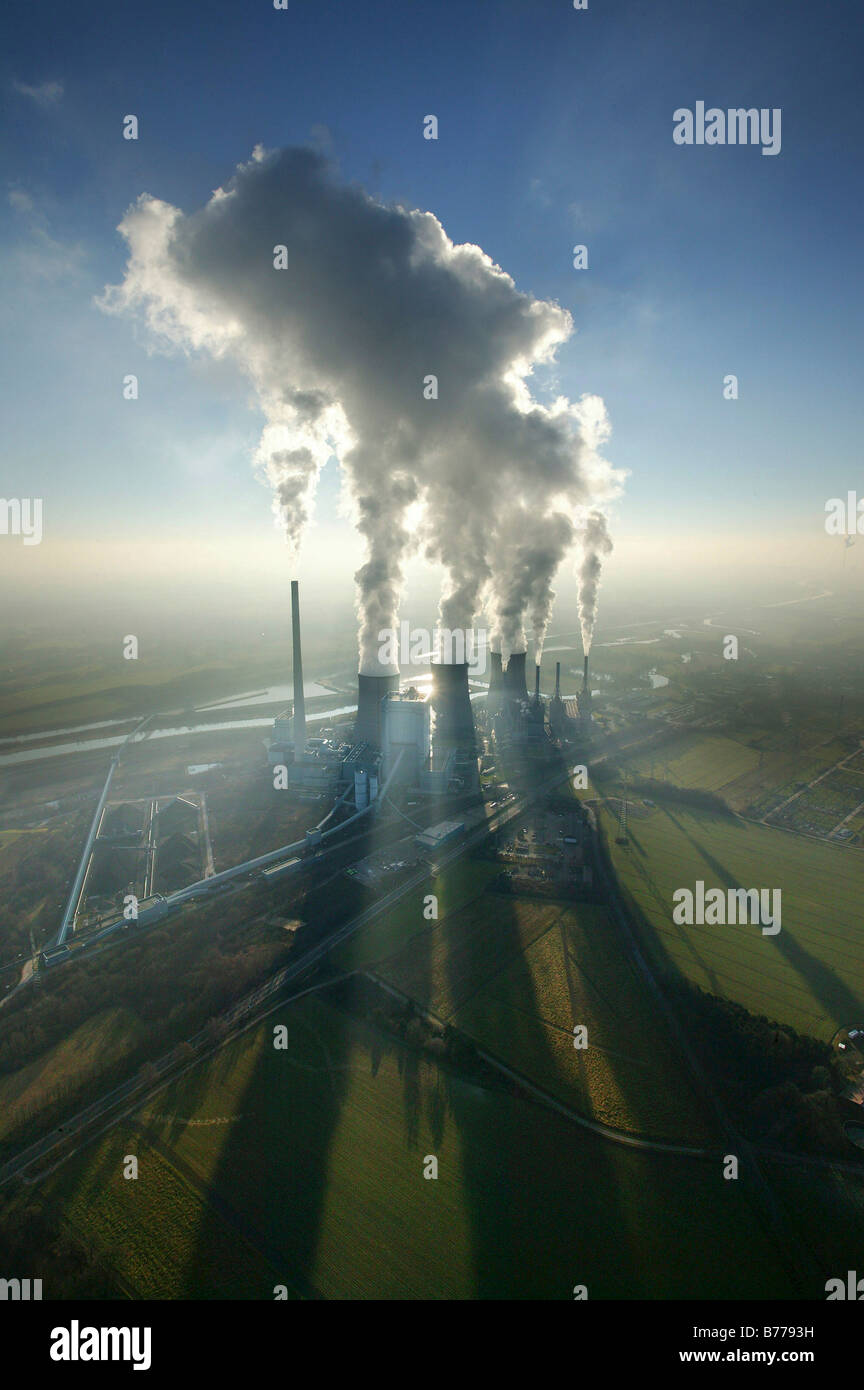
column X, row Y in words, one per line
column 432, row 840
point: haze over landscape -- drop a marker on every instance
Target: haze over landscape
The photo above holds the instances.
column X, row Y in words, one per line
column 337, row 961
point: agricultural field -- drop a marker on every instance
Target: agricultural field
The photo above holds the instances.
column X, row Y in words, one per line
column 264, row 1167
column 461, row 883
column 60, row 1073
column 811, row 974
column 444, row 966
column 517, row 974
column 578, row 973
column 827, row 1204
column 754, row 771
column 695, row 760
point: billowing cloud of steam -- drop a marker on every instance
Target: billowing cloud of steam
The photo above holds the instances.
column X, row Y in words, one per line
column 338, row 345
column 595, row 543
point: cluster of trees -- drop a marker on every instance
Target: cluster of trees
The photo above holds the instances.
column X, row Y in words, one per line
column 33, row 884
column 172, row 979
column 34, row 1244
column 445, row 1044
column 781, row 1086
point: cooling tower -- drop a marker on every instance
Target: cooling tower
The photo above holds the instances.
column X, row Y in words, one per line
column 496, row 674
column 496, row 681
column 299, row 724
column 514, row 677
column 454, row 718
column 370, row 692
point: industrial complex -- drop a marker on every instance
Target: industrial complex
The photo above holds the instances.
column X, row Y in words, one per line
column 429, row 745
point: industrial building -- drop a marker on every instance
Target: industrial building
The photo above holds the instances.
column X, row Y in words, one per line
column 511, row 714
column 430, row 743
column 437, row 836
column 571, row 718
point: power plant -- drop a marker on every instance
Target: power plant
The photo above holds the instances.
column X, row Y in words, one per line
column 451, row 701
column 299, row 725
column 515, row 685
column 371, row 691
column 425, row 744
column 570, row 718
column 431, row 743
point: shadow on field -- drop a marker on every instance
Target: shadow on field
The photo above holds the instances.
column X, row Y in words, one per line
column 530, row 1239
column 319, row 1165
column 837, row 999
column 685, row 937
column 265, row 1171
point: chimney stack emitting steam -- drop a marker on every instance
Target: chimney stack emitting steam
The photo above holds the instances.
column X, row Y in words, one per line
column 451, row 700
column 299, row 722
column 514, row 677
column 416, row 296
column 371, row 690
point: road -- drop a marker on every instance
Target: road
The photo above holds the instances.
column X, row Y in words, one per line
column 251, row 1008
column 78, row 881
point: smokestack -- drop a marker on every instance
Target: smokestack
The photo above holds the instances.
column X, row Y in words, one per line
column 454, row 718
column 536, row 685
column 557, row 680
column 370, row 692
column 514, row 677
column 585, row 676
column 299, row 724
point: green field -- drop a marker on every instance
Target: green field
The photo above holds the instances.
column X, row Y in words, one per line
column 64, row 1069
column 304, row 1167
column 460, row 884
column 811, row 974
column 579, row 972
column 442, row 967
column 517, row 974
column 702, row 760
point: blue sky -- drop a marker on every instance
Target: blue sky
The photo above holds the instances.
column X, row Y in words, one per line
column 555, row 128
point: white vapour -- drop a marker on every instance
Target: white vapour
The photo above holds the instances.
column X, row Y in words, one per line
column 339, row 346
column 595, row 543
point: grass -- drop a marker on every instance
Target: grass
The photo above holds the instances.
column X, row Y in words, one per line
column 706, row 761
column 810, row 974
column 458, row 885
column 62, row 1071
column 578, row 972
column 450, row 961
column 313, row 1177
column 516, row 974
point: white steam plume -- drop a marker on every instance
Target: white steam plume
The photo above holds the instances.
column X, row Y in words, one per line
column 595, row 544
column 374, row 299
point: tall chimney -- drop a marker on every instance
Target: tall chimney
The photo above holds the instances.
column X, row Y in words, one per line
column 299, row 724
column 557, row 680
column 585, row 677
column 537, row 684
